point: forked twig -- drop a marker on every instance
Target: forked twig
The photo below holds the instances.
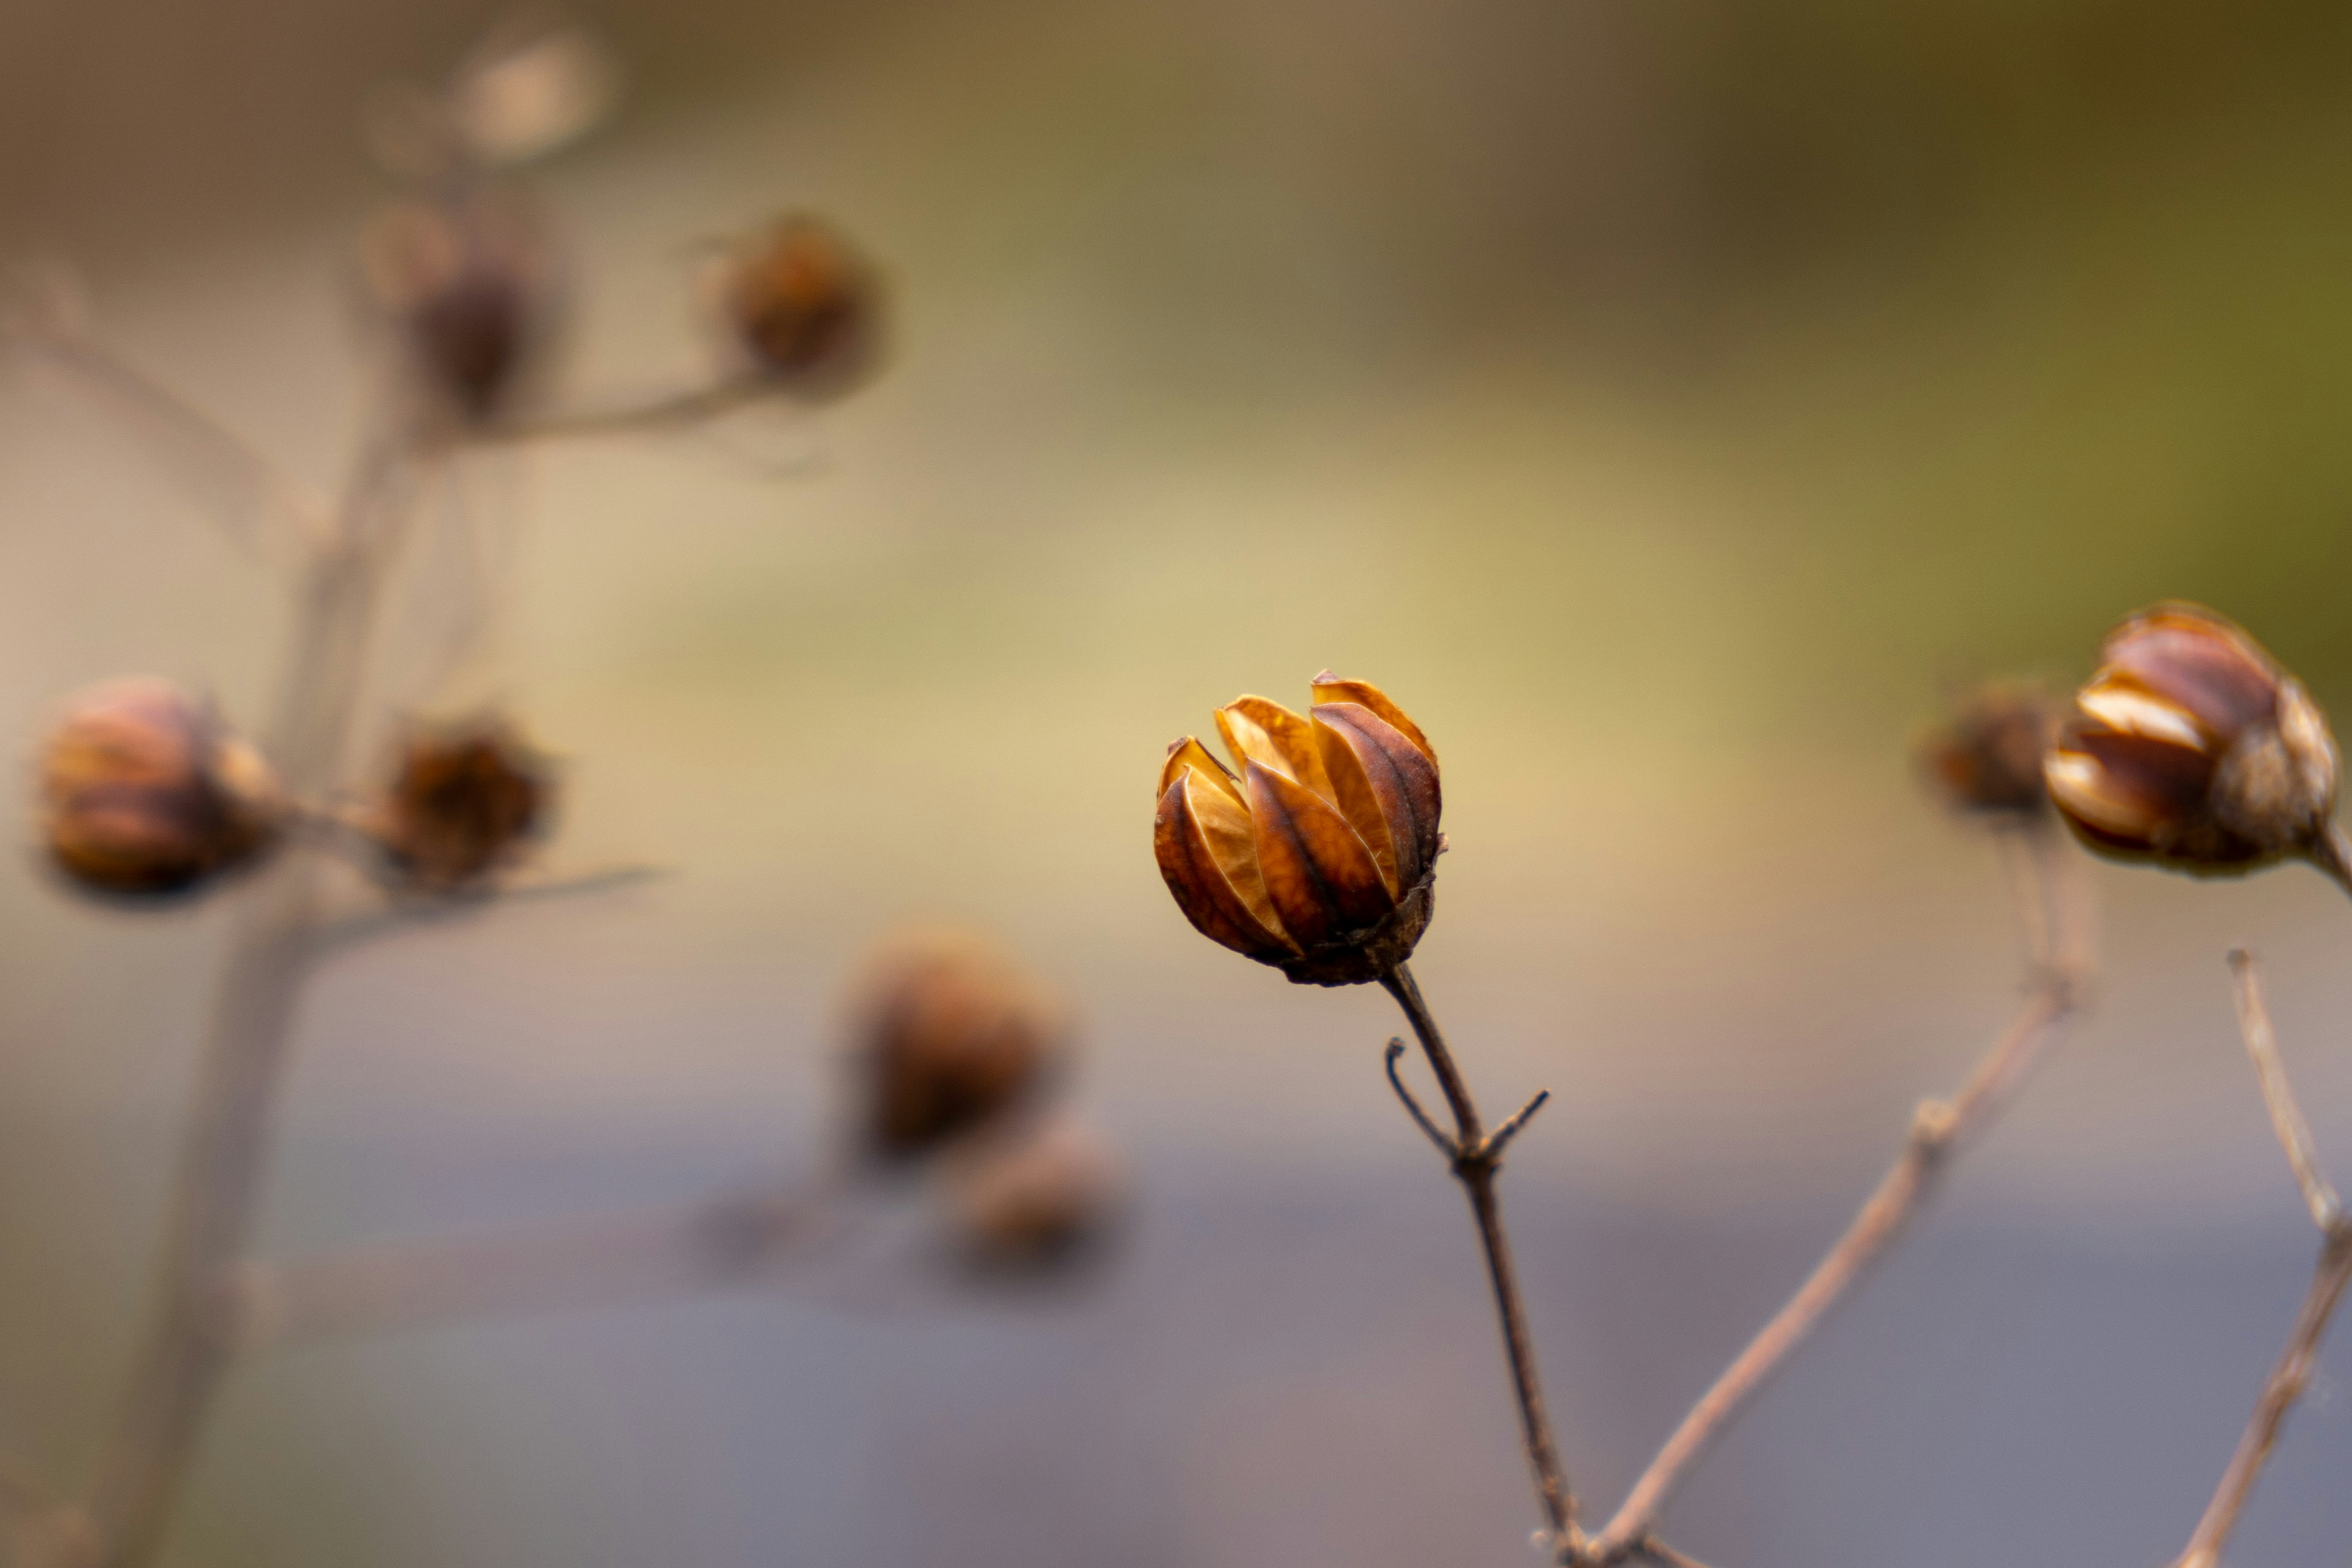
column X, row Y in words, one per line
column 1938, row 1129
column 1476, row 1159
column 2329, row 1278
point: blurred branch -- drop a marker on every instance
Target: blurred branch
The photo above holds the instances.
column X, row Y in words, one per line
column 1476, row 1158
column 731, row 1240
column 670, row 411
column 331, row 938
column 240, row 489
column 1938, row 1129
column 2293, row 1374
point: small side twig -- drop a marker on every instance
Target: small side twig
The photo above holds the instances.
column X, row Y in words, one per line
column 1437, row 1135
column 735, row 1239
column 1938, row 1129
column 1476, row 1159
column 670, row 411
column 345, row 932
column 2328, row 1282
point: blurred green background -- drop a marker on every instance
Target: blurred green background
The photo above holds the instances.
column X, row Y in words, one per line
column 1667, row 404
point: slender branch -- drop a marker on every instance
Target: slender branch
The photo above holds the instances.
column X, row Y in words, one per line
column 2329, row 1278
column 734, row 1239
column 226, row 1148
column 1412, row 1106
column 665, row 412
column 1659, row 1552
column 1938, row 1129
column 1477, row 1161
column 339, row 934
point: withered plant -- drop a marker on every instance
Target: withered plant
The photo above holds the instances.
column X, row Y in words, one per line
column 1316, row 851
column 148, row 796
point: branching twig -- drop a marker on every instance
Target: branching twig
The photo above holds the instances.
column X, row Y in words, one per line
column 1937, row 1130
column 734, row 1239
column 341, row 934
column 2288, row 1378
column 667, row 413
column 1477, row 1159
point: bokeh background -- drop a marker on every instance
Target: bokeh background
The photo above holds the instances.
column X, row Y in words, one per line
column 1667, row 403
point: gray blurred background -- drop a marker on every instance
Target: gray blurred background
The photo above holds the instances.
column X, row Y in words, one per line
column 1664, row 402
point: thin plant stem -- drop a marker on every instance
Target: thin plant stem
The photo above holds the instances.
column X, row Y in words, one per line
column 734, row 1239
column 2328, row 1280
column 1477, row 1161
column 187, row 1343
column 670, row 411
column 1939, row 1128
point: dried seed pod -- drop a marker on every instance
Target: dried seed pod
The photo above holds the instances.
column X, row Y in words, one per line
column 1319, row 856
column 1986, row 757
column 464, row 284
column 2193, row 748
column 952, row 1037
column 804, row 307
column 1038, row 1206
column 465, row 802
column 145, row 793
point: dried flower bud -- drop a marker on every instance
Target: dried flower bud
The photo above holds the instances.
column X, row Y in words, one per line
column 1987, row 755
column 466, row 803
column 466, row 286
column 1038, row 1206
column 953, row 1036
column 1319, row 856
column 804, row 306
column 2193, row 748
column 144, row 792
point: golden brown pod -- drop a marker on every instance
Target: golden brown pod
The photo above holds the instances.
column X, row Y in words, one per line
column 1037, row 1206
column 2193, row 748
column 145, row 793
column 804, row 306
column 1320, row 855
column 465, row 802
column 1986, row 756
column 953, row 1036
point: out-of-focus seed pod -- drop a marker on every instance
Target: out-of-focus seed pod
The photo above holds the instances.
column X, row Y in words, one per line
column 2193, row 748
column 952, row 1037
column 804, row 306
column 1037, row 1206
column 1319, row 856
column 1986, row 756
column 465, row 285
column 145, row 793
column 465, row 802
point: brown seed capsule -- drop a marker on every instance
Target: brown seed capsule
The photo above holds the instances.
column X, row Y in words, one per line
column 1987, row 755
column 805, row 307
column 1319, row 856
column 2191, row 747
column 952, row 1037
column 1038, row 1206
column 144, row 792
column 466, row 803
column 465, row 285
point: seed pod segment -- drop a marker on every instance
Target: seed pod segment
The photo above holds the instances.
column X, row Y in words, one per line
column 144, row 793
column 1319, row 856
column 954, row 1036
column 804, row 308
column 1986, row 757
column 2191, row 748
column 464, row 802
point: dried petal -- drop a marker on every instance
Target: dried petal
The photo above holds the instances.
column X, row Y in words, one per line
column 1400, row 777
column 1189, row 753
column 1329, row 687
column 1203, row 841
column 2200, row 661
column 1320, row 877
column 1258, row 731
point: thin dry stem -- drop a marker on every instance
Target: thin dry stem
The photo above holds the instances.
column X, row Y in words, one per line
column 1938, row 1129
column 344, row 932
column 227, row 1145
column 1477, row 1160
column 671, row 412
column 2333, row 1273
column 736, row 1239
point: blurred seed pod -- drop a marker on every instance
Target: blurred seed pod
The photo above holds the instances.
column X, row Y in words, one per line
column 952, row 1037
column 465, row 802
column 804, row 306
column 465, row 287
column 2193, row 748
column 1042, row 1204
column 144, row 793
column 1986, row 756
